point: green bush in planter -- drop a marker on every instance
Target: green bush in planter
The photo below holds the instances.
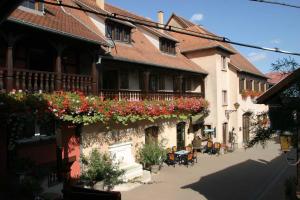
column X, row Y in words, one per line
column 99, row 167
column 152, row 153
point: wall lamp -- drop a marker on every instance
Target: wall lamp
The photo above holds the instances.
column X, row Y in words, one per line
column 227, row 112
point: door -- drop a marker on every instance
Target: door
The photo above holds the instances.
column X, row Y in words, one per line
column 151, row 134
column 246, row 127
column 225, row 130
column 181, row 135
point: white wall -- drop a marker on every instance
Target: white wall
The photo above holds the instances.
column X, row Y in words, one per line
column 99, row 22
column 152, row 38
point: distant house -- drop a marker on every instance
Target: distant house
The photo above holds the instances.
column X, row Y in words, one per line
column 275, row 77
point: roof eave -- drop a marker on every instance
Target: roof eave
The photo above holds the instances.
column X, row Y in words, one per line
column 207, row 48
column 151, row 64
column 32, row 25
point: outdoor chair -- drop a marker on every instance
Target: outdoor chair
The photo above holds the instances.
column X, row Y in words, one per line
column 189, row 159
column 188, row 148
column 209, row 147
column 171, row 159
column 169, row 150
column 216, row 148
column 174, row 148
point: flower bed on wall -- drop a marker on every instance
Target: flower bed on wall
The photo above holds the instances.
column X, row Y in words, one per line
column 76, row 108
column 250, row 93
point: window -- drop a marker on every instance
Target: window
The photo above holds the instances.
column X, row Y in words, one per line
column 32, row 4
column 249, row 84
column 224, row 98
column 118, row 32
column 242, row 85
column 29, row 4
column 256, row 86
column 124, row 81
column 188, row 85
column 224, row 63
column 167, row 46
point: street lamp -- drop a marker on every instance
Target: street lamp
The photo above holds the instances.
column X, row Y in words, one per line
column 227, row 112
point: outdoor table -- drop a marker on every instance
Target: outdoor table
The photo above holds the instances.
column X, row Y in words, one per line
column 180, row 155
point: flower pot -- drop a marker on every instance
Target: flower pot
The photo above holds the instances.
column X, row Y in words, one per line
column 99, row 186
column 155, row 169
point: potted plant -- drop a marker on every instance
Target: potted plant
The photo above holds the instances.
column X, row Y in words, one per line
column 100, row 172
column 152, row 155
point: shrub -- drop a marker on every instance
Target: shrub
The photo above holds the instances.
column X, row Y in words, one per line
column 99, row 167
column 152, row 153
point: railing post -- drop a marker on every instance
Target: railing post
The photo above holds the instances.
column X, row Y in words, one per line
column 9, row 66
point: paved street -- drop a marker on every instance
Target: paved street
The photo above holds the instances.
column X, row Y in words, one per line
column 253, row 174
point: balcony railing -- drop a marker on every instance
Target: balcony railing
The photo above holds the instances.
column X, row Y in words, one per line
column 33, row 81
column 140, row 95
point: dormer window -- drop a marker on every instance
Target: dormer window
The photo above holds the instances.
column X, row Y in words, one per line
column 118, row 32
column 167, row 46
column 32, row 4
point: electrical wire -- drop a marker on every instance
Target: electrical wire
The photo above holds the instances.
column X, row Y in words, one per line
column 148, row 23
column 276, row 3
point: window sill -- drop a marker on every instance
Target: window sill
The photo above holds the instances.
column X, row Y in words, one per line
column 35, row 139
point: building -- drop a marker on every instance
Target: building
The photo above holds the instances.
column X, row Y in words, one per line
column 45, row 48
column 231, row 87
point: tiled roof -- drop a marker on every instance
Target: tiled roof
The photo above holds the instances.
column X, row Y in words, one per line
column 191, row 43
column 276, row 77
column 56, row 19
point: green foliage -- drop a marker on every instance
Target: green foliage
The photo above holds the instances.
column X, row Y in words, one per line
column 99, row 167
column 152, row 153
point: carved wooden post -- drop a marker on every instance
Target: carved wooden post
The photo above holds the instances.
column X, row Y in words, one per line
column 203, row 86
column 9, row 66
column 146, row 75
column 94, row 77
column 58, row 69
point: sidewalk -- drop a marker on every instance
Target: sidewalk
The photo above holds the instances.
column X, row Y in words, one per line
column 256, row 173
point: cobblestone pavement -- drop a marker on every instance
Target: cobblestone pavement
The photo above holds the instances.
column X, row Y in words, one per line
column 258, row 173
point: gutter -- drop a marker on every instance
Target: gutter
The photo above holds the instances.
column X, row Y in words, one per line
column 149, row 64
column 32, row 25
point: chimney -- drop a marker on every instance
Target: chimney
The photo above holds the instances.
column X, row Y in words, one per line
column 100, row 3
column 160, row 17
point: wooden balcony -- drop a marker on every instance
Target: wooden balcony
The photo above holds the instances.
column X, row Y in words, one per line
column 42, row 81
column 140, row 95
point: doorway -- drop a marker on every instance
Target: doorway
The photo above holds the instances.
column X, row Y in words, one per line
column 246, row 127
column 181, row 135
column 110, row 83
column 151, row 134
column 225, row 130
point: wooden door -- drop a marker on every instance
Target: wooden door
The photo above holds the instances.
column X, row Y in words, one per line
column 246, row 127
column 225, row 130
column 181, row 135
column 151, row 134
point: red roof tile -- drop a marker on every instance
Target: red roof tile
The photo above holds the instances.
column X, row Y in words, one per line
column 276, row 77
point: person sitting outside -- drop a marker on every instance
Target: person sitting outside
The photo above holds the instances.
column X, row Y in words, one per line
column 197, row 143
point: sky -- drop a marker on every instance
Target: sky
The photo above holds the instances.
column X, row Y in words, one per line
column 239, row 20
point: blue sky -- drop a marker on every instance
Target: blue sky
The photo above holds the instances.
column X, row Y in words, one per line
column 239, row 20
